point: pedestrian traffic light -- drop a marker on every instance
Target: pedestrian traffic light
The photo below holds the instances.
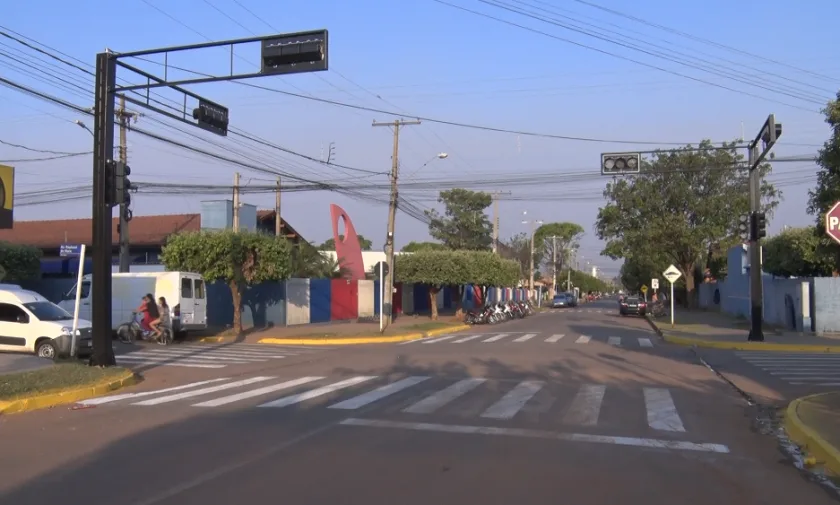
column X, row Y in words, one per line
column 110, row 183
column 744, row 227
column 759, row 225
column 122, row 184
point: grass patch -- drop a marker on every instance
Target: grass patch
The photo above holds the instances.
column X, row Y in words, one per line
column 57, row 377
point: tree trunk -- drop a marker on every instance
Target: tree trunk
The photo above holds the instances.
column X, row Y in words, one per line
column 236, row 296
column 433, row 291
column 689, row 285
column 458, row 295
column 103, row 351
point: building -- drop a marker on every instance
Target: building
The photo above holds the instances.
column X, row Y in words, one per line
column 147, row 234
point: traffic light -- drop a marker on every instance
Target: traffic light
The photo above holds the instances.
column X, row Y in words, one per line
column 211, row 117
column 620, row 163
column 759, row 225
column 122, row 184
column 744, row 227
column 110, row 176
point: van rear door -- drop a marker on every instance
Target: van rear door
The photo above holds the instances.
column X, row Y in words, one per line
column 193, row 303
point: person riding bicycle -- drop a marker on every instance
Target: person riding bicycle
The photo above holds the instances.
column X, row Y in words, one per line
column 163, row 320
column 149, row 311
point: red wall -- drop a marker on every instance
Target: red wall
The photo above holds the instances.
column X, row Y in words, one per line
column 344, row 300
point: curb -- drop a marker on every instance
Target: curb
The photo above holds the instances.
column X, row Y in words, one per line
column 65, row 396
column 808, row 439
column 362, row 340
column 749, row 346
column 212, row 340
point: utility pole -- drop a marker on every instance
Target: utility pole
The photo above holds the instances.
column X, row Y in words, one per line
column 495, row 196
column 236, row 202
column 553, row 265
column 278, row 221
column 388, row 281
column 533, row 224
column 124, row 117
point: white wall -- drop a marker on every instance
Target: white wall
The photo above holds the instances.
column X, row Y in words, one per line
column 369, row 258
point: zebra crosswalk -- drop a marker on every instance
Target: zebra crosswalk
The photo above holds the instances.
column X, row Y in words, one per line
column 797, row 368
column 207, row 355
column 521, row 337
column 422, row 395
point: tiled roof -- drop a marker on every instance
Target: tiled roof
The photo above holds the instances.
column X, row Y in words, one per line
column 143, row 230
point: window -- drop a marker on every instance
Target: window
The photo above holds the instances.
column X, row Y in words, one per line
column 47, row 311
column 85, row 289
column 9, row 313
column 199, row 289
column 186, row 288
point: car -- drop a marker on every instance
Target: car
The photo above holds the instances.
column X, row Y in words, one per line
column 632, row 306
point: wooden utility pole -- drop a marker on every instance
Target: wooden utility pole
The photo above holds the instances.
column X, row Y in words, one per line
column 388, row 281
column 236, row 202
column 278, row 221
column 495, row 196
column 553, row 265
column 124, row 117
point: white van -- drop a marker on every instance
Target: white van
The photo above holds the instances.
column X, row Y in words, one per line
column 31, row 323
column 185, row 292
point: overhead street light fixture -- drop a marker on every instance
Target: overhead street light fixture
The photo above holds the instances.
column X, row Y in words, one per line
column 620, row 163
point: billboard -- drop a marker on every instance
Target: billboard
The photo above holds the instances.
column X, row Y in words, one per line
column 7, row 197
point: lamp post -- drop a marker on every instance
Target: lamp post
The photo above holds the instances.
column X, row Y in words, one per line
column 533, row 223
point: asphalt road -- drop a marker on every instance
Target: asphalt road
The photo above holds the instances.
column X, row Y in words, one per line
column 467, row 419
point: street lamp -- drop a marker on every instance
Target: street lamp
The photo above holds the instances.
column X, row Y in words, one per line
column 81, row 124
column 533, row 223
column 438, row 156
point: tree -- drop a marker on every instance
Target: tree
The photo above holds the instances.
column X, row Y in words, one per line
column 682, row 205
column 518, row 249
column 795, row 252
column 238, row 259
column 19, row 262
column 827, row 191
column 307, row 262
column 437, row 269
column 638, row 271
column 464, row 225
column 566, row 239
column 423, row 246
column 329, row 244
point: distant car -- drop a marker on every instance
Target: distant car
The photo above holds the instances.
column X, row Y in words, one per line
column 632, row 306
column 561, row 300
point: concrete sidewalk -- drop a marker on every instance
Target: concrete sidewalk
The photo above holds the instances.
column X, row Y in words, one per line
column 813, row 422
column 715, row 330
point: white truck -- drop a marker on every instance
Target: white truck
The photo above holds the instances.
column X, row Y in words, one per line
column 185, row 293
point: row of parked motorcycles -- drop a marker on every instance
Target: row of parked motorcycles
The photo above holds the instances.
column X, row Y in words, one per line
column 495, row 313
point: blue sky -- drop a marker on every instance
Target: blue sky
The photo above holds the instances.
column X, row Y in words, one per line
column 423, row 58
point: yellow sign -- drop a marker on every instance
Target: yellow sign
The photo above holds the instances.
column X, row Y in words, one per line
column 7, row 197
column 644, row 289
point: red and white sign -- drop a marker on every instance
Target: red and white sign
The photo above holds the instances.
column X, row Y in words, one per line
column 832, row 222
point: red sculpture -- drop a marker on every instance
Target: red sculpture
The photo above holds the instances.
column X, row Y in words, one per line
column 348, row 250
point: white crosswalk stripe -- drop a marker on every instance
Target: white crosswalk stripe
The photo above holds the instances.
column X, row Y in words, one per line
column 583, row 339
column 554, row 338
column 614, row 341
column 800, row 369
column 417, row 396
column 525, row 338
column 208, row 356
column 522, row 337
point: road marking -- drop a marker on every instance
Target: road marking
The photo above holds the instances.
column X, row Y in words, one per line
column 526, row 337
column 444, row 396
column 204, row 391
column 379, row 393
column 314, row 393
column 554, row 338
column 645, row 342
column 467, row 339
column 526, row 433
column 513, row 401
column 193, row 357
column 616, row 341
column 214, row 351
column 497, row 337
column 661, row 411
column 586, row 406
column 583, row 339
column 115, row 398
column 165, row 362
column 257, row 392
column 439, row 339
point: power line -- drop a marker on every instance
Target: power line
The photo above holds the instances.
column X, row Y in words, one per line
column 33, row 149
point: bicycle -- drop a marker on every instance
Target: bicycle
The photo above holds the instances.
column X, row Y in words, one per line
column 129, row 332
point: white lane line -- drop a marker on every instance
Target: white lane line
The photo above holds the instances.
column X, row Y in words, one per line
column 116, row 398
column 257, row 392
column 440, row 339
column 526, row 337
column 497, row 337
column 407, row 342
column 379, row 393
column 513, row 401
column 439, row 399
column 645, row 342
column 168, row 362
column 616, row 341
column 661, row 411
column 586, row 406
column 554, row 338
column 467, row 339
column 203, row 391
column 649, row 443
column 314, row 393
column 194, row 358
column 583, row 339
column 215, row 352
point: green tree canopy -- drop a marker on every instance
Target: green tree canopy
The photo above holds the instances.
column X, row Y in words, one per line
column 560, row 237
column 463, row 225
column 795, row 252
column 437, row 269
column 827, row 191
column 238, row 259
column 423, row 246
column 518, row 249
column 581, row 280
column 681, row 206
column 638, row 271
column 329, row 244
column 19, row 262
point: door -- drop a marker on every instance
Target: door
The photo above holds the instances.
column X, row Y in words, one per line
column 187, row 302
column 13, row 328
column 200, row 299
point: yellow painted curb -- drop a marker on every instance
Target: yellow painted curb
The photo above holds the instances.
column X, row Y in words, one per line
column 808, row 439
column 340, row 341
column 448, row 329
column 749, row 346
column 65, row 396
